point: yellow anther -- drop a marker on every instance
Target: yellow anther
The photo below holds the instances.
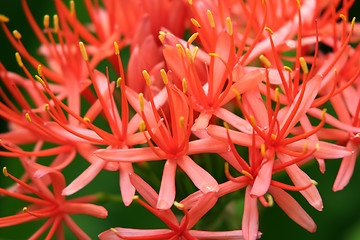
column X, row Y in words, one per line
column 147, row 77
column 46, row 21
column 72, row 8
column 288, row 68
column 342, row 16
column 27, row 116
column 141, row 101
column 25, row 209
column 214, row 55
column 161, row 38
column 164, row 76
column 162, row 33
column 178, row 205
column 303, row 65
column 184, row 85
column 195, row 23
column 56, row 23
column 189, row 55
column 142, row 126
column 263, row 150
column 353, row 22
column 86, row 119
column 117, row 52
column 190, row 2
column 46, row 107
column 16, row 34
column 317, row 146
column 305, row 147
column 263, row 2
column 270, row 200
column 4, row 18
column 211, row 18
column 196, row 50
column 118, row 82
column 181, row 122
column 229, row 26
column 83, row 51
column 298, row 2
column 314, row 182
column 180, row 50
column 323, row 113
column 39, row 69
column 18, row 59
column 193, row 37
column 5, row 172
column 265, row 61
column 276, row 94
column 113, row 229
column 226, row 125
column 252, row 120
column 246, row 173
column 226, row 167
column 135, row 197
column 237, row 93
column 269, row 30
column 39, row 79
column 273, row 136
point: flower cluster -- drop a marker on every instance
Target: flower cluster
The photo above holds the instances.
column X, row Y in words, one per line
column 243, row 85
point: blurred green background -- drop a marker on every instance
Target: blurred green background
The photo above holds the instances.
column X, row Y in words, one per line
column 339, row 220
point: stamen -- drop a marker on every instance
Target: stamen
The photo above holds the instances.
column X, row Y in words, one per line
column 303, row 65
column 189, row 55
column 314, row 182
column 270, row 200
column 161, row 38
column 190, row 2
column 142, row 126
column 86, row 119
column 342, row 16
column 184, row 85
column 164, row 76
column 181, row 122
column 4, row 18
column 83, row 51
column 118, row 82
column 263, row 150
column 246, row 173
column 18, row 59
column 229, row 26
column 269, row 30
column 27, row 116
column 226, row 125
column 141, row 101
column 273, row 136
column 195, row 23
column 46, row 21
column 39, row 80
column 211, row 18
column 39, row 69
column 317, row 146
column 298, row 2
column 276, row 94
column 56, row 23
column 147, row 77
column 265, row 61
column 179, row 205
column 135, row 197
column 193, row 37
column 5, row 172
column 72, row 8
column 196, row 49
column 305, row 147
column 117, row 52
column 16, row 34
column 353, row 23
column 288, row 68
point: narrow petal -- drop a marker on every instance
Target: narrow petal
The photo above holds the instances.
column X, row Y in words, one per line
column 128, row 155
column 144, row 233
column 300, row 179
column 85, row 177
column 167, row 188
column 292, row 208
column 229, row 235
column 126, row 188
column 85, row 208
column 263, row 178
column 346, row 168
column 250, row 221
column 201, row 178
